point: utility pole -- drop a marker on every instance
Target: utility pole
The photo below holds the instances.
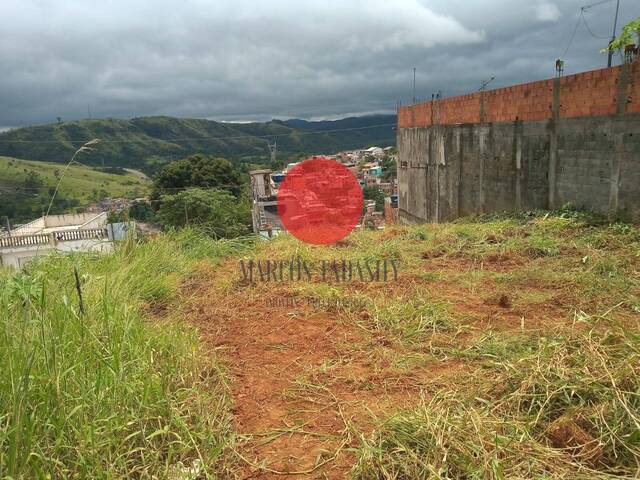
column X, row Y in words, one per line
column 414, row 85
column 484, row 83
column 613, row 35
column 272, row 152
column 483, row 87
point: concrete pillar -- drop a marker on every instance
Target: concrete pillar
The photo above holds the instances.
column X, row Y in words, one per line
column 518, row 158
column 482, row 139
column 553, row 143
column 623, row 84
column 614, row 179
column 460, row 151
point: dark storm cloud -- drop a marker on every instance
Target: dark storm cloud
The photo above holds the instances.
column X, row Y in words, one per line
column 240, row 59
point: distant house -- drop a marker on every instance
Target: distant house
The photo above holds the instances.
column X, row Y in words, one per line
column 386, row 187
column 372, row 169
column 375, row 152
column 64, row 233
column 111, row 205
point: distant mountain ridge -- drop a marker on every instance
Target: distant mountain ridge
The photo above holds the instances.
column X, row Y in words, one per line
column 148, row 143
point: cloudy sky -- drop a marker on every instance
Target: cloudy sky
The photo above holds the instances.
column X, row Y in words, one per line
column 240, row 60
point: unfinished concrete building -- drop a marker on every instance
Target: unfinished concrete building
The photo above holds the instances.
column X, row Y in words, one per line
column 264, row 212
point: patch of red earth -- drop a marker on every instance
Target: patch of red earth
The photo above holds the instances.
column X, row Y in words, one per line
column 303, row 382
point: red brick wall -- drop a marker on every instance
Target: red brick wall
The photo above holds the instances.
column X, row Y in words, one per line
column 584, row 94
column 528, row 101
column 589, row 93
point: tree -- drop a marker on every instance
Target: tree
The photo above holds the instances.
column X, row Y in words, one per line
column 217, row 211
column 197, row 171
column 626, row 36
column 389, row 168
column 141, row 211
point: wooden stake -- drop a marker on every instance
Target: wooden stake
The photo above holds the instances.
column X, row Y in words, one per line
column 79, row 290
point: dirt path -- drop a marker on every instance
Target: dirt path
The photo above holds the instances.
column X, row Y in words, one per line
column 304, row 383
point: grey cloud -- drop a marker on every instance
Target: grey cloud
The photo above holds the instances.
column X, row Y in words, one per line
column 242, row 60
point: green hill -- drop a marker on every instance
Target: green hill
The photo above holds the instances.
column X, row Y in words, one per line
column 26, row 187
column 147, row 143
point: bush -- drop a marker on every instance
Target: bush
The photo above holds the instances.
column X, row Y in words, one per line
column 214, row 211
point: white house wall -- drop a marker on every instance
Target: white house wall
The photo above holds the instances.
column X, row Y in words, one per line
column 17, row 257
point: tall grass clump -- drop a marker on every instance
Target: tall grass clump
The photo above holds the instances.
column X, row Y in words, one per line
column 412, row 318
column 569, row 409
column 104, row 394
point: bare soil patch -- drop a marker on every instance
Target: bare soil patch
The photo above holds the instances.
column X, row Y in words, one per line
column 304, row 382
column 308, row 382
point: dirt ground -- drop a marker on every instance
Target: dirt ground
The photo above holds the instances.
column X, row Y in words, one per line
column 306, row 382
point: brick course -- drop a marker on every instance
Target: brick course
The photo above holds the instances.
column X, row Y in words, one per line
column 585, row 94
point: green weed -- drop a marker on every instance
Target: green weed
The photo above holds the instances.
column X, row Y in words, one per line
column 103, row 394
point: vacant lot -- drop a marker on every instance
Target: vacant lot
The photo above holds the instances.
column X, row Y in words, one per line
column 505, row 348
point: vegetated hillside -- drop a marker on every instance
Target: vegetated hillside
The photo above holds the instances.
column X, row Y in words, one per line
column 147, row 143
column 26, row 187
column 508, row 347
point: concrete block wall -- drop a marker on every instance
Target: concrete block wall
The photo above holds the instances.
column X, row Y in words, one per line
column 574, row 139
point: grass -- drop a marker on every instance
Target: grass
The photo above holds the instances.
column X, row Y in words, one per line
column 104, row 394
column 511, row 342
column 79, row 182
column 551, row 387
column 556, row 402
column 412, row 317
column 27, row 187
column 568, row 408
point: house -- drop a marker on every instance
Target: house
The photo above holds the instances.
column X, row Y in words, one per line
column 372, row 169
column 370, row 181
column 376, row 152
column 386, row 187
column 87, row 232
column 110, row 205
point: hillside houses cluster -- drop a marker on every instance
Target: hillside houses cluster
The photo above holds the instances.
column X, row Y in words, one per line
column 119, row 204
column 366, row 166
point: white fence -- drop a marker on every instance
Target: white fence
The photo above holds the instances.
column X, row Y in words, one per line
column 53, row 237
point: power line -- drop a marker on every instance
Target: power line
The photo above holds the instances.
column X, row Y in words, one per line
column 582, row 18
column 194, row 139
column 589, row 29
column 586, row 7
column 575, row 29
